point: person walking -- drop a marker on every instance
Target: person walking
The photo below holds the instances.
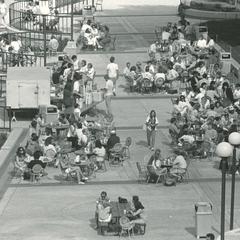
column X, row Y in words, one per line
column 151, row 124
column 113, row 73
column 108, row 95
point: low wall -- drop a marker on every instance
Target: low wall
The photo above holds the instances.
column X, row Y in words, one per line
column 211, row 14
column 7, row 156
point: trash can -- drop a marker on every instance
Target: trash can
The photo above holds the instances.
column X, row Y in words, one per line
column 203, row 218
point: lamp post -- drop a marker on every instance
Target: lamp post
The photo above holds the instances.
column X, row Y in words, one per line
column 223, row 150
column 234, row 139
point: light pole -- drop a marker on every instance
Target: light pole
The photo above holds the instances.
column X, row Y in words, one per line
column 223, row 150
column 234, row 139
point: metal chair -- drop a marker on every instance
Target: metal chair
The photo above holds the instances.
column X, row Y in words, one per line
column 125, row 149
column 50, row 155
column 115, row 156
column 99, row 3
column 146, row 85
column 153, row 173
column 36, row 172
column 142, row 174
column 126, row 226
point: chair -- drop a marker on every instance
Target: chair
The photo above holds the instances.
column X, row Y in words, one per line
column 36, row 172
column 146, row 85
column 50, row 155
column 153, row 173
column 99, row 3
column 126, row 226
column 125, row 149
column 65, row 174
column 115, row 155
column 142, row 174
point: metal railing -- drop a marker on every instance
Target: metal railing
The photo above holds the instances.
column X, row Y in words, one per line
column 5, row 119
column 21, row 59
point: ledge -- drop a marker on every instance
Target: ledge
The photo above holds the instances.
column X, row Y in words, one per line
column 7, row 153
column 200, row 14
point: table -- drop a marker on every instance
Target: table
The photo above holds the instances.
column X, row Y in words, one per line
column 117, row 210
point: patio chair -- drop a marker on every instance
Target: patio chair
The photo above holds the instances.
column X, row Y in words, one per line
column 142, row 174
column 146, row 85
column 126, row 226
column 51, row 156
column 36, row 172
column 152, row 173
column 115, row 156
column 125, row 149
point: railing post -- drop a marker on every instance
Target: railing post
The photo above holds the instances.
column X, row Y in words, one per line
column 44, row 40
column 72, row 20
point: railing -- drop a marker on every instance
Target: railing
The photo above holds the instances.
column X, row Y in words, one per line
column 21, row 59
column 5, row 120
column 24, row 20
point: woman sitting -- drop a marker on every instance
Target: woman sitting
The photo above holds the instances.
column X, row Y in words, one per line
column 22, row 158
column 136, row 214
column 100, row 152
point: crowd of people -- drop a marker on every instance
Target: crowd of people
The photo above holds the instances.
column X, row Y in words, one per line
column 70, row 140
column 94, row 35
column 174, row 57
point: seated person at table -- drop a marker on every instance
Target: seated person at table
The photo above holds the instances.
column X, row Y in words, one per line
column 113, row 139
column 81, row 135
column 21, row 160
column 155, row 162
column 48, row 145
column 37, row 159
column 33, row 145
column 102, row 213
column 69, row 167
column 100, row 152
column 179, row 165
column 136, row 213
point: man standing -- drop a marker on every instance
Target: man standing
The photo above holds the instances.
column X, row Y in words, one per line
column 108, row 95
column 113, row 72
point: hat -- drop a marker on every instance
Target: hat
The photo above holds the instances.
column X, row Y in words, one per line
column 113, row 131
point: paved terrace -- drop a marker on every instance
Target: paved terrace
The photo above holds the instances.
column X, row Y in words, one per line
column 56, row 209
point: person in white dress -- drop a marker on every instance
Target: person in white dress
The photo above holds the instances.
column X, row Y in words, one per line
column 3, row 12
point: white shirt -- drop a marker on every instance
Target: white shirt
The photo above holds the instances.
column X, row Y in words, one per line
column 15, row 45
column 90, row 73
column 160, row 75
column 112, row 69
column 76, row 65
column 202, row 43
column 100, row 154
column 76, row 86
column 180, row 162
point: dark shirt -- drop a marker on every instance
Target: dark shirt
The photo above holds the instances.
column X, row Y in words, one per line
column 34, row 162
column 112, row 141
column 138, row 205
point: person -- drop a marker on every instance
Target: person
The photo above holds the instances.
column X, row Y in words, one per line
column 108, row 95
column 210, row 236
column 151, row 124
column 113, row 139
column 33, row 145
column 100, row 152
column 53, row 44
column 103, row 210
column 76, row 63
column 69, row 166
column 126, row 70
column 3, row 12
column 33, row 128
column 103, row 199
column 136, row 214
column 113, row 72
column 179, row 166
column 22, row 158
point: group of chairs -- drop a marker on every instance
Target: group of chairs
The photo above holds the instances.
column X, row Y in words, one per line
column 148, row 173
